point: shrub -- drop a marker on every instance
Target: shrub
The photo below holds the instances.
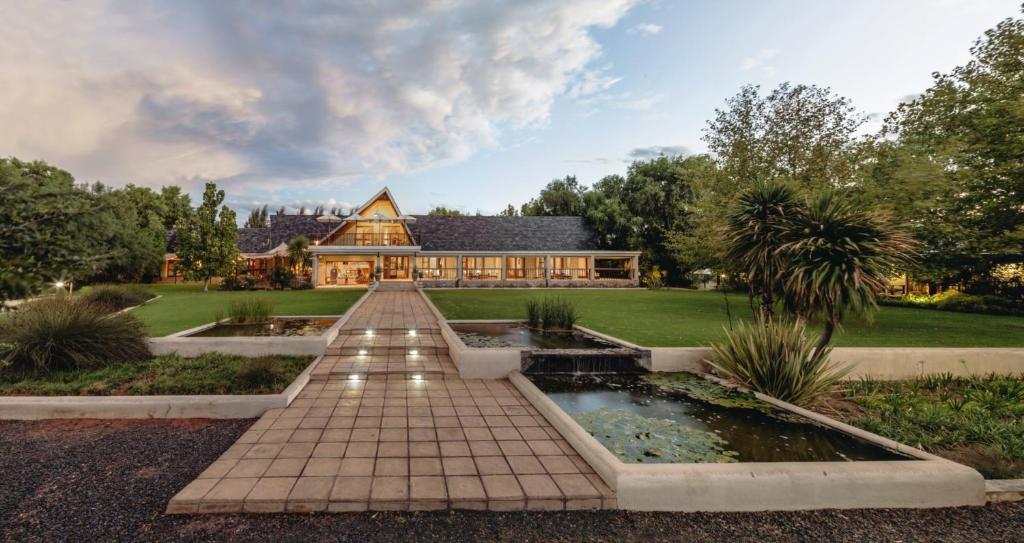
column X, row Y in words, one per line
column 280, row 277
column 258, row 373
column 954, row 300
column 238, row 282
column 655, row 278
column 776, row 359
column 551, row 313
column 61, row 334
column 250, row 311
column 116, row 297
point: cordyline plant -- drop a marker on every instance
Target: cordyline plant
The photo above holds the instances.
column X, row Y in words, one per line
column 839, row 259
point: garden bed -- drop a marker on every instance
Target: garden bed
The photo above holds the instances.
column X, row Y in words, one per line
column 976, row 421
column 166, row 375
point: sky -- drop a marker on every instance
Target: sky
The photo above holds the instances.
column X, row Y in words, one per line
column 471, row 105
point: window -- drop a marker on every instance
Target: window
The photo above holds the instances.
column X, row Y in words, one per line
column 568, row 268
column 524, row 268
column 613, row 268
column 481, row 268
column 436, row 268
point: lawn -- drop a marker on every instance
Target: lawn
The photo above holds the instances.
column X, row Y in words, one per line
column 185, row 306
column 212, row 373
column 977, row 421
column 686, row 318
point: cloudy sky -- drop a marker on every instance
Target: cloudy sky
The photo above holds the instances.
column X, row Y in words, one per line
column 466, row 104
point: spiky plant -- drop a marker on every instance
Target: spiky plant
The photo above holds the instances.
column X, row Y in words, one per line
column 66, row 334
column 298, row 253
column 777, row 359
column 754, row 232
column 840, row 259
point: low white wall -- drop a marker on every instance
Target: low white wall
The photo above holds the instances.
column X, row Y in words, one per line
column 908, row 362
column 762, row 486
column 480, row 363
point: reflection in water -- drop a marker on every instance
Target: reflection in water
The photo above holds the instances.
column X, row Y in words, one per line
column 755, row 435
column 276, row 327
column 514, row 334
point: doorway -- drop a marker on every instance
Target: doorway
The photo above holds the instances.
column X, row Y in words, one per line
column 396, row 268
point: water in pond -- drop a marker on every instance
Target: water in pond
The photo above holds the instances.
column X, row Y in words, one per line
column 276, row 327
column 680, row 418
column 514, row 334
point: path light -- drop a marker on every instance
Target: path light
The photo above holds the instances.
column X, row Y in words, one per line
column 363, row 352
column 369, row 332
column 413, row 352
column 59, row 284
column 417, row 377
column 353, row 377
column 412, row 332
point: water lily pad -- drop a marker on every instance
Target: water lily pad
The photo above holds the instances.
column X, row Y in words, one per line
column 704, row 390
column 637, row 439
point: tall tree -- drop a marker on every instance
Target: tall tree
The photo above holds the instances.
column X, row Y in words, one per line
column 962, row 138
column 561, row 197
column 135, row 233
column 49, row 229
column 206, row 241
column 299, row 256
column 442, row 211
column 176, row 204
column 509, row 211
column 258, row 218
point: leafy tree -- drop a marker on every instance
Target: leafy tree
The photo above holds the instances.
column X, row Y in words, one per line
column 961, row 141
column 302, row 210
column 258, row 218
column 318, row 211
column 561, row 197
column 206, row 241
column 175, row 203
column 509, row 211
column 280, row 210
column 441, row 211
column 134, row 233
column 49, row 228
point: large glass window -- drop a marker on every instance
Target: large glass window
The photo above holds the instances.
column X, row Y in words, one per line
column 568, row 268
column 344, row 271
column 613, row 268
column 437, row 268
column 481, row 268
column 524, row 268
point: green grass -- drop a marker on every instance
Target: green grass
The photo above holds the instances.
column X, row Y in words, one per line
column 213, row 373
column 185, row 306
column 977, row 421
column 684, row 318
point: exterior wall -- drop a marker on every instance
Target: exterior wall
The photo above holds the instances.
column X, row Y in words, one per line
column 596, row 283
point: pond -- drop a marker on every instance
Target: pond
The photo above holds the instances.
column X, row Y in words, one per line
column 683, row 418
column 275, row 327
column 516, row 334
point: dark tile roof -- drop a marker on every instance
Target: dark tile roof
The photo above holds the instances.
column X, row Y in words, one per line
column 283, row 228
column 503, row 233
column 254, row 240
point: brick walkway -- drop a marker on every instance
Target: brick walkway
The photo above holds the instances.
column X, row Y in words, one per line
column 391, row 430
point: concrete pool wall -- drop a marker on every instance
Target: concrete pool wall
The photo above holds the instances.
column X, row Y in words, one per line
column 927, row 481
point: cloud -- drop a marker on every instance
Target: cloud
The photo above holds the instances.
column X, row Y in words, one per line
column 262, row 94
column 646, row 28
column 759, row 62
column 654, row 151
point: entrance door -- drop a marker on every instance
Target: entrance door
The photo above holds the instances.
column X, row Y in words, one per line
column 396, row 267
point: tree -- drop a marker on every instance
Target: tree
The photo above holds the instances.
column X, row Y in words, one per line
column 838, row 259
column 509, row 211
column 298, row 253
column 134, row 233
column 206, row 241
column 441, row 211
column 258, row 218
column 280, row 210
column 49, row 228
column 318, row 211
column 176, row 204
column 754, row 235
column 302, row 210
column 963, row 136
column 561, row 197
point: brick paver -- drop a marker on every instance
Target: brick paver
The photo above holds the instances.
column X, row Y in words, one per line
column 381, row 430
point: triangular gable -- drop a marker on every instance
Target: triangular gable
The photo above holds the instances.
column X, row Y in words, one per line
column 383, row 193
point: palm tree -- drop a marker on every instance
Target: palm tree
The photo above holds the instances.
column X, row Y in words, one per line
column 754, row 233
column 839, row 259
column 298, row 253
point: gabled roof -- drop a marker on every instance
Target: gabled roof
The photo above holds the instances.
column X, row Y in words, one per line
column 254, row 240
column 283, row 228
column 503, row 234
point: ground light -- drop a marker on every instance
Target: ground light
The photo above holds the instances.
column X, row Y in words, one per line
column 413, row 352
column 363, row 352
column 412, row 333
column 369, row 333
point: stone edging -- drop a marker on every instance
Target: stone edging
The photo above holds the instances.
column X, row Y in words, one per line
column 763, row 486
column 127, row 309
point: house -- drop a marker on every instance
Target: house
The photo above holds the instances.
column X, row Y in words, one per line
column 436, row 251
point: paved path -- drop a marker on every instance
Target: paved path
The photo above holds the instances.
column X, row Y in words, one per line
column 387, row 424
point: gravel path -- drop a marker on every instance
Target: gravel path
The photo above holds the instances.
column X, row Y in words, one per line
column 110, row 481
